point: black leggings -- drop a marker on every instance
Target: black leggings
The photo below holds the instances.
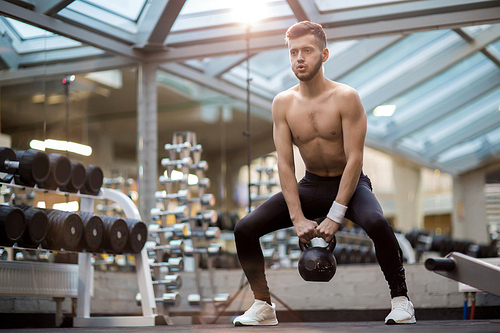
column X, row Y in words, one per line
column 316, row 197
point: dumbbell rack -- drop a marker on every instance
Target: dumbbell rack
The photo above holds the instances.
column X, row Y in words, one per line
column 83, row 318
column 185, row 155
column 85, row 270
column 274, row 244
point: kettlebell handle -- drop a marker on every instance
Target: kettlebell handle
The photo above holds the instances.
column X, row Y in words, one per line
column 331, row 245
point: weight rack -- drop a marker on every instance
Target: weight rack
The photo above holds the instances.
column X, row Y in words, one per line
column 184, row 222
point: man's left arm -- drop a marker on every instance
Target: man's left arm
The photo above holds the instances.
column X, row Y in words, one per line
column 354, row 125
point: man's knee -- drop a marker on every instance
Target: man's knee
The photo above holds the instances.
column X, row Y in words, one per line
column 242, row 229
column 376, row 224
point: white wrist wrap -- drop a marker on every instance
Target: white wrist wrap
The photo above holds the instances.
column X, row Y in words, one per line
column 337, row 212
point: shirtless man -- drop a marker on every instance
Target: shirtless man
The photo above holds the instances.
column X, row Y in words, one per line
column 327, row 122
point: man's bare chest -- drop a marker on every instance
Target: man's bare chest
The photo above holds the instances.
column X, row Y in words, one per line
column 310, row 122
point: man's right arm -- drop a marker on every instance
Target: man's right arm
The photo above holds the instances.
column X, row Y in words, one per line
column 305, row 229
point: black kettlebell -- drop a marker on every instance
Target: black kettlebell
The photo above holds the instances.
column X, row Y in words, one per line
column 317, row 263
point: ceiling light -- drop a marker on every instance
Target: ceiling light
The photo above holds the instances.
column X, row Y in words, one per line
column 384, row 110
column 69, row 146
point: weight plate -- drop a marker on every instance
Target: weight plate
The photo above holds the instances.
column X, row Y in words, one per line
column 71, row 230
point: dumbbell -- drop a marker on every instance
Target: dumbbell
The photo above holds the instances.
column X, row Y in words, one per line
column 37, row 224
column 76, row 179
column 168, row 299
column 28, row 167
column 197, row 150
column 209, row 216
column 217, row 299
column 209, row 233
column 201, row 166
column 167, row 182
column 59, row 172
column 65, row 230
column 170, row 282
column 205, row 200
column 182, row 195
column 93, row 231
column 12, row 224
column 173, row 264
column 179, row 212
column 183, row 149
column 182, row 164
column 177, row 229
column 116, row 234
column 204, row 183
column 213, row 250
column 93, row 180
column 175, row 246
column 138, row 234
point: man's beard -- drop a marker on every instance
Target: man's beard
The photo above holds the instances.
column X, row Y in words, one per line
column 314, row 71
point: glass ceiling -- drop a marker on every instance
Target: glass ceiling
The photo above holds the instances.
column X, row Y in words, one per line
column 444, row 84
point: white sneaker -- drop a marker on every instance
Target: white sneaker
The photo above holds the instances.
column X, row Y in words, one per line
column 260, row 313
column 402, row 312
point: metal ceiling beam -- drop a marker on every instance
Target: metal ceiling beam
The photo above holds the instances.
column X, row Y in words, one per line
column 88, row 23
column 43, row 72
column 474, row 160
column 73, row 54
column 155, row 25
column 417, row 75
column 51, row 7
column 357, row 55
column 218, row 66
column 229, row 43
column 490, row 52
column 8, row 54
column 377, row 143
column 402, row 10
column 298, row 10
column 467, row 132
column 218, row 85
column 64, row 29
column 444, row 107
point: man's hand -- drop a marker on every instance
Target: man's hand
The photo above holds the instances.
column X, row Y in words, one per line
column 327, row 229
column 305, row 230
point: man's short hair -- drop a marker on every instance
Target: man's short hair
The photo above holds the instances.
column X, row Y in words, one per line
column 307, row 27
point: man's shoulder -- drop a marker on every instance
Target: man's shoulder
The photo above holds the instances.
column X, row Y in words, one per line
column 285, row 96
column 344, row 89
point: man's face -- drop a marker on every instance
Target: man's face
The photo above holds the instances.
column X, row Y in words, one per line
column 306, row 57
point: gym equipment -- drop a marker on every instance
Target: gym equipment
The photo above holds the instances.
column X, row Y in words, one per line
column 93, row 180
column 217, row 299
column 138, row 234
column 12, row 224
column 213, row 250
column 168, row 299
column 179, row 212
column 76, row 179
column 177, row 230
column 317, row 263
column 116, row 234
column 209, row 233
column 206, row 200
column 208, row 216
column 59, row 172
column 65, row 230
column 173, row 264
column 37, row 224
column 170, row 282
column 182, row 195
column 28, row 167
column 468, row 270
column 175, row 246
column 93, row 233
column 182, row 164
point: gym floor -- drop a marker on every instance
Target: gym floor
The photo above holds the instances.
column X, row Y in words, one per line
column 440, row 326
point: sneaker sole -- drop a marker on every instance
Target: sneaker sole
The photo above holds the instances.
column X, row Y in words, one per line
column 408, row 321
column 270, row 322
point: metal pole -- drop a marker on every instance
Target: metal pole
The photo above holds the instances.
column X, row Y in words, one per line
column 248, row 132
